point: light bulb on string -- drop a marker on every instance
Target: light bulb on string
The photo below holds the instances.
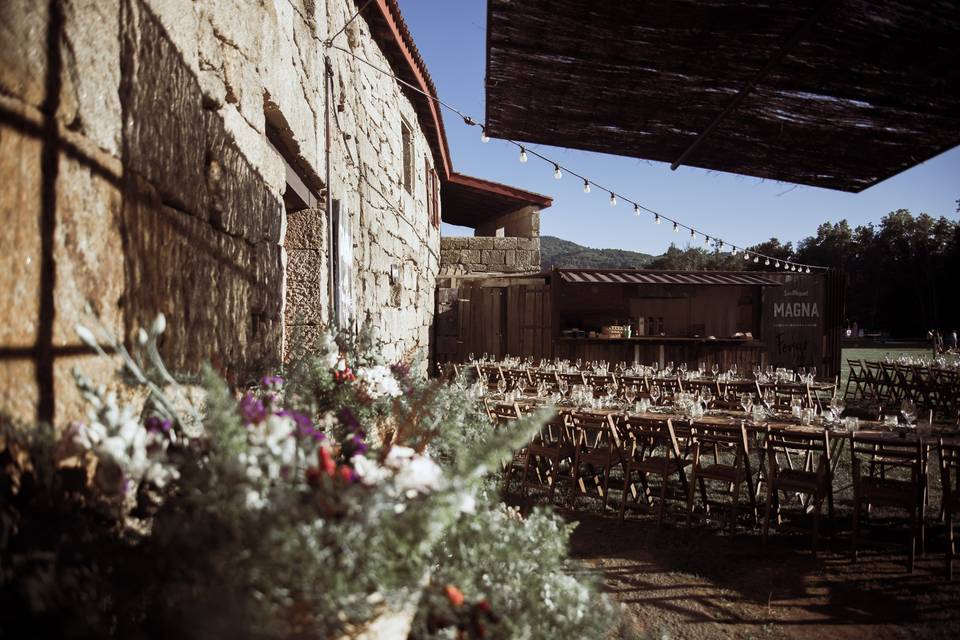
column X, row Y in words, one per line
column 484, row 138
column 693, row 234
column 556, row 172
column 706, row 240
column 676, row 229
column 613, row 199
column 756, row 259
column 777, row 264
column 808, row 269
column 656, row 218
column 586, row 186
column 766, row 262
column 746, row 256
column 523, row 154
column 719, row 245
column 736, row 251
column 636, row 210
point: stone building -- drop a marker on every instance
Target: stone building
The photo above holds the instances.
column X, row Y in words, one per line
column 216, row 161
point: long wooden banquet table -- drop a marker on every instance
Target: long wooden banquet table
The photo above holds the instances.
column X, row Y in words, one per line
column 877, row 432
column 812, row 391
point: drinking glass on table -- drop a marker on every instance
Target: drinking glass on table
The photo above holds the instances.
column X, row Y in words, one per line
column 769, row 399
column 630, row 393
column 733, row 370
column 715, row 369
column 502, row 386
column 909, row 411
column 563, row 386
column 655, row 394
column 707, row 396
column 812, row 374
column 746, row 401
column 837, row 405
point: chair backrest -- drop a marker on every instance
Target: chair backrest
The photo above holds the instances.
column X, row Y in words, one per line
column 595, row 432
column 887, row 451
column 779, row 440
column 650, row 435
column 950, row 473
column 733, row 437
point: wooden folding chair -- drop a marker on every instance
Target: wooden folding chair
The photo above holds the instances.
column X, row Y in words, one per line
column 503, row 416
column 723, row 442
column 596, row 452
column 950, row 483
column 547, row 451
column 814, row 479
column 858, row 379
column 899, row 485
column 651, row 448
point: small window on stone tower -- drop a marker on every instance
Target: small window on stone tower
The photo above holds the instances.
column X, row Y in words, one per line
column 407, row 142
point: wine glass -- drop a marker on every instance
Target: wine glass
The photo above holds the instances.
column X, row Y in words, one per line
column 630, row 393
column 707, row 396
column 909, row 411
column 733, row 370
column 769, row 398
column 502, row 385
column 655, row 393
column 715, row 369
column 746, row 401
column 812, row 373
column 837, row 405
column 563, row 386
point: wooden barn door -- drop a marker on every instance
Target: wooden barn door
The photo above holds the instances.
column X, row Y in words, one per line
column 528, row 320
column 482, row 318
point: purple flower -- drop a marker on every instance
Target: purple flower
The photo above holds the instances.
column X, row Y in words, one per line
column 354, row 445
column 272, row 382
column 347, row 419
column 158, row 425
column 252, row 410
column 400, row 370
column 304, row 424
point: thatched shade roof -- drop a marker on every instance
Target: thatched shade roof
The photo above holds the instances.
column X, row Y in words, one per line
column 838, row 94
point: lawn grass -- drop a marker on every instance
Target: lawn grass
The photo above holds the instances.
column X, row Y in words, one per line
column 875, row 354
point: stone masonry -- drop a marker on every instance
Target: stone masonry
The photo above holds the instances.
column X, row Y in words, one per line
column 462, row 255
column 137, row 177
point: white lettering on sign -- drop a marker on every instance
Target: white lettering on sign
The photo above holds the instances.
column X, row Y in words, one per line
column 796, row 310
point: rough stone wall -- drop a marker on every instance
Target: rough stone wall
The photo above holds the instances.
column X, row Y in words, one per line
column 136, row 177
column 461, row 255
column 395, row 246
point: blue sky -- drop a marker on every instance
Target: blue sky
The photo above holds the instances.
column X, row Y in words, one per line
column 450, row 35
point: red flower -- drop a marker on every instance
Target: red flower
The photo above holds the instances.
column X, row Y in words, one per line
column 346, row 473
column 454, row 595
column 484, row 606
column 326, row 461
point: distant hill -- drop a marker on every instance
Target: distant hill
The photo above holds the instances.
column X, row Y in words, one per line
column 555, row 252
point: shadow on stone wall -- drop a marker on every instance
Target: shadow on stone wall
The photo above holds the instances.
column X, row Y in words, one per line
column 198, row 224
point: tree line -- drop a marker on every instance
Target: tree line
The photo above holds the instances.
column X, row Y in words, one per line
column 902, row 275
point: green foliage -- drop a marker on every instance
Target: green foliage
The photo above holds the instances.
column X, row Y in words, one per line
column 555, row 252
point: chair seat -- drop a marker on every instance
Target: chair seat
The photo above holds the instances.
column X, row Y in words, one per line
column 658, row 465
column 724, row 472
column 797, row 480
column 888, row 491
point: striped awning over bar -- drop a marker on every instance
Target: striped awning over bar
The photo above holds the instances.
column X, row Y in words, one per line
column 640, row 276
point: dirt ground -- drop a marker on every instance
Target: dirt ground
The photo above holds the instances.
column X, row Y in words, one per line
column 703, row 583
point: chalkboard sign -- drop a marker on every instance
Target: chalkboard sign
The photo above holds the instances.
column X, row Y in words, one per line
column 793, row 320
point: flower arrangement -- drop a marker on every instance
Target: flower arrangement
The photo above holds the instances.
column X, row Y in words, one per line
column 325, row 496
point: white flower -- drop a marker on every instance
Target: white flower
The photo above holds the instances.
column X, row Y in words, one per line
column 420, row 475
column 379, row 382
column 368, row 471
column 467, row 503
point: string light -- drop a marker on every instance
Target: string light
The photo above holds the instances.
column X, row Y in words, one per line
column 766, row 262
column 636, row 210
column 613, row 199
column 558, row 174
column 706, row 240
column 693, row 234
column 756, row 259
